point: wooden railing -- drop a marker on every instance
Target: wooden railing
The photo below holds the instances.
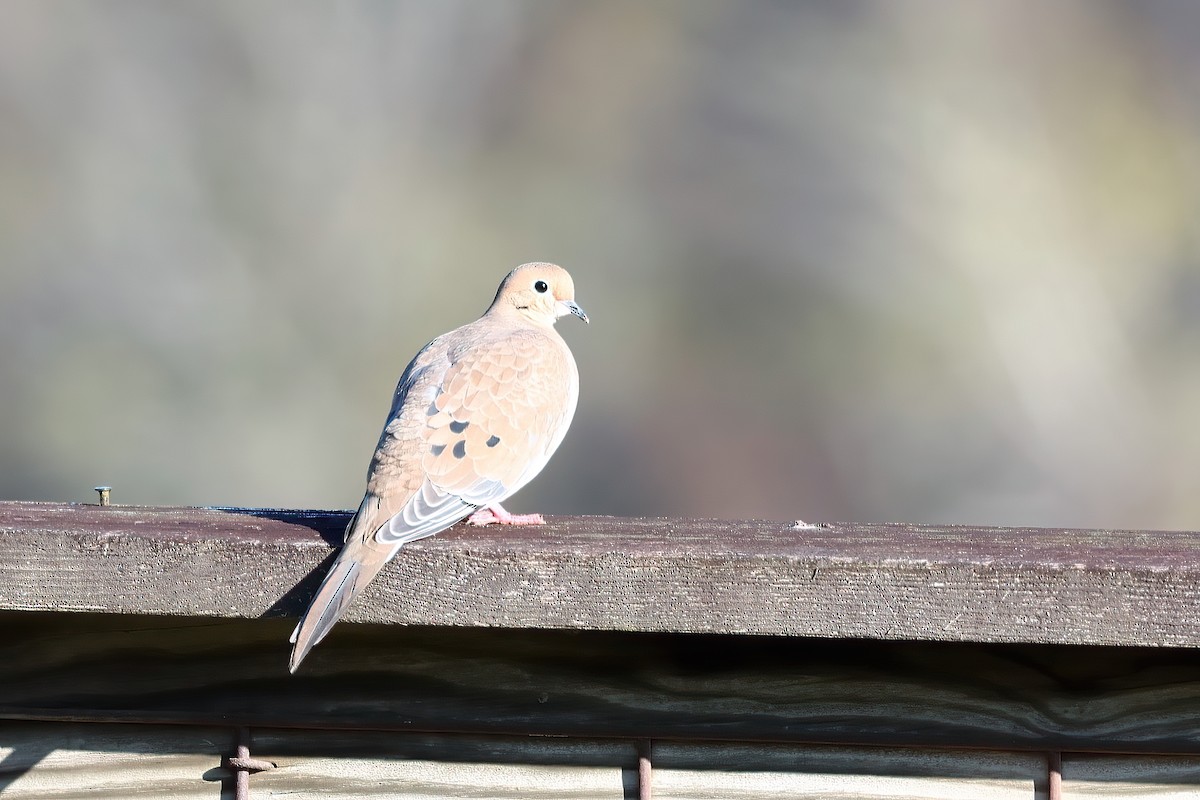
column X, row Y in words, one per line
column 876, row 581
column 699, row 656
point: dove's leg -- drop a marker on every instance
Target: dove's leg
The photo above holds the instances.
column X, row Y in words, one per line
column 495, row 514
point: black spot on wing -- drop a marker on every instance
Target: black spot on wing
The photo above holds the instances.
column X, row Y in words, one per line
column 458, row 427
column 460, row 448
column 492, row 442
column 437, row 449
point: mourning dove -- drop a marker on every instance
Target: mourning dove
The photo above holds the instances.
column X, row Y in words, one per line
column 476, row 415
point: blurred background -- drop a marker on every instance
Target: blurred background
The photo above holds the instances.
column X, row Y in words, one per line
column 865, row 261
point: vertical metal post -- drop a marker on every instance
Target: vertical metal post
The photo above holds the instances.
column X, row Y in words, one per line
column 241, row 789
column 1054, row 765
column 242, row 765
column 645, row 769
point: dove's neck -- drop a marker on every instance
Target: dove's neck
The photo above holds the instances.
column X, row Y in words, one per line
column 521, row 316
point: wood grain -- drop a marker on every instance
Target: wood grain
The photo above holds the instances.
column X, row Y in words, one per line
column 320, row 764
column 760, row 772
column 61, row 761
column 42, row 760
column 1108, row 777
column 74, row 760
column 589, row 684
column 67, row 760
column 926, row 583
column 335, row 765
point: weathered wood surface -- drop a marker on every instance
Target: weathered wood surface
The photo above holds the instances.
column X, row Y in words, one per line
column 1092, row 777
column 71, row 760
column 599, row 573
column 317, row 765
column 64, row 760
column 61, row 761
column 39, row 761
column 325, row 765
column 589, row 684
column 320, row 764
column 691, row 771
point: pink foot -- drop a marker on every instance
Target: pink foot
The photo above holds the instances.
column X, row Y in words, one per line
column 495, row 514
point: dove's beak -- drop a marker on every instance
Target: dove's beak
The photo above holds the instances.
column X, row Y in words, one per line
column 569, row 307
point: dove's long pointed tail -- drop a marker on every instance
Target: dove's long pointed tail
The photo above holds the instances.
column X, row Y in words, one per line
column 347, row 576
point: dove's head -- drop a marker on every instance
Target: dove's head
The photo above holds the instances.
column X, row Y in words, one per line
column 540, row 292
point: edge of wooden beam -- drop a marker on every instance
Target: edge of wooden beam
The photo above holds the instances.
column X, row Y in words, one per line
column 871, row 581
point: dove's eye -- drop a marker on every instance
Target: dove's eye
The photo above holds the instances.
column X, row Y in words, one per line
column 541, row 287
